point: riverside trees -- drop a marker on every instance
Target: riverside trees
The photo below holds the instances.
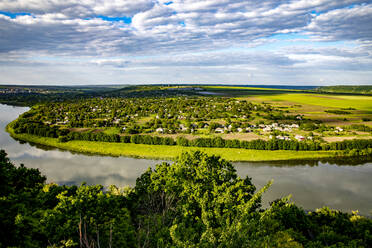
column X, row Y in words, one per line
column 198, row 201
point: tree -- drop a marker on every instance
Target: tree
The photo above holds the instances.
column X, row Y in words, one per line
column 190, row 197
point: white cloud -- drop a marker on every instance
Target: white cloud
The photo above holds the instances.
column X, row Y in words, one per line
column 74, row 32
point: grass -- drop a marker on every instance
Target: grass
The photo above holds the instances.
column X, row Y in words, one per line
column 334, row 101
column 244, row 91
column 112, row 130
column 168, row 152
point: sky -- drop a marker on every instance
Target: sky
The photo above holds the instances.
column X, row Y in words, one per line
column 276, row 42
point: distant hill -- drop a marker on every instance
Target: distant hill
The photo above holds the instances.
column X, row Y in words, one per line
column 358, row 89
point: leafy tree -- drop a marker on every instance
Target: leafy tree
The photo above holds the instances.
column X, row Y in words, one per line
column 198, row 201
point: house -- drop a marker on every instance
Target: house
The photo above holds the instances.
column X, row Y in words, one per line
column 282, row 137
column 339, row 129
column 299, row 137
column 267, row 129
column 183, row 128
column 160, row 130
column 240, row 129
column 219, row 130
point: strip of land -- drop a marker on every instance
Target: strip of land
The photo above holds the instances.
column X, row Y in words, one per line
column 169, row 152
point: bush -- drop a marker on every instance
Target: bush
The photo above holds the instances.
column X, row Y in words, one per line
column 62, row 139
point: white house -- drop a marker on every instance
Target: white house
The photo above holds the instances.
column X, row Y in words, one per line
column 160, row 130
column 219, row 130
column 299, row 137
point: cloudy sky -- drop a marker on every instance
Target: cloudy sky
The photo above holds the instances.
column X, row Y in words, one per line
column 296, row 42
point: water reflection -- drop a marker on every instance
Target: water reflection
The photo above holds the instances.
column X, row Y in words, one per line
column 341, row 187
column 312, row 184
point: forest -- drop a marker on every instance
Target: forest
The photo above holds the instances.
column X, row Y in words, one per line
column 197, row 201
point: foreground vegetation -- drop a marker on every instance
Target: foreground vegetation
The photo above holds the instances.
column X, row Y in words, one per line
column 196, row 202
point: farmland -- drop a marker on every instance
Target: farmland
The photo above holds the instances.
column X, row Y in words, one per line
column 238, row 123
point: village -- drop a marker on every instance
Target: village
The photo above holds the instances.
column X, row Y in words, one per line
column 21, row 90
column 203, row 117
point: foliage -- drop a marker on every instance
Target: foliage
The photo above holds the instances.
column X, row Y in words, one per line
column 357, row 89
column 338, row 112
column 198, row 201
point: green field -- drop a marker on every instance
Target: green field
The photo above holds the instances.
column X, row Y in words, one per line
column 169, row 152
column 295, row 96
column 334, row 101
column 245, row 91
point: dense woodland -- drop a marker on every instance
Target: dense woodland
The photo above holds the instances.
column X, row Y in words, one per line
column 32, row 95
column 198, row 201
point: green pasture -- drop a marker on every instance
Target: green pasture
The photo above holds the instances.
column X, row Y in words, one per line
column 245, row 91
column 333, row 101
column 112, row 130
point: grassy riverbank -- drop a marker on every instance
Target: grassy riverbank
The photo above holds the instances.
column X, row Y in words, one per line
column 167, row 152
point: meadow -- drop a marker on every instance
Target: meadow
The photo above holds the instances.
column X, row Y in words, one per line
column 332, row 101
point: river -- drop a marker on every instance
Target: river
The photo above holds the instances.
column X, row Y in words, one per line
column 312, row 185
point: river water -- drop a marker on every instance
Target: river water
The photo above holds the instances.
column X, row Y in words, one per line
column 311, row 184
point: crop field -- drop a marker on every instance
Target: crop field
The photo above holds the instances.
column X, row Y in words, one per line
column 315, row 106
column 245, row 91
column 332, row 101
column 311, row 105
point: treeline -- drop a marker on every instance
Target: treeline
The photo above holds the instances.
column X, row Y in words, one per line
column 358, row 89
column 64, row 135
column 338, row 112
column 38, row 128
column 360, row 127
column 198, row 201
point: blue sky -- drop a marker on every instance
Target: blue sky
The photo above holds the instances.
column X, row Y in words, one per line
column 300, row 42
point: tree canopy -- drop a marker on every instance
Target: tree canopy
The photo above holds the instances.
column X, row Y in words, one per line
column 198, row 201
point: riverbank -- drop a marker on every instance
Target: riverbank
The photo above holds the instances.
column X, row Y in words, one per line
column 168, row 152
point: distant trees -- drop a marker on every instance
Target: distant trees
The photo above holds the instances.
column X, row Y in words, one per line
column 144, row 115
column 338, row 112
